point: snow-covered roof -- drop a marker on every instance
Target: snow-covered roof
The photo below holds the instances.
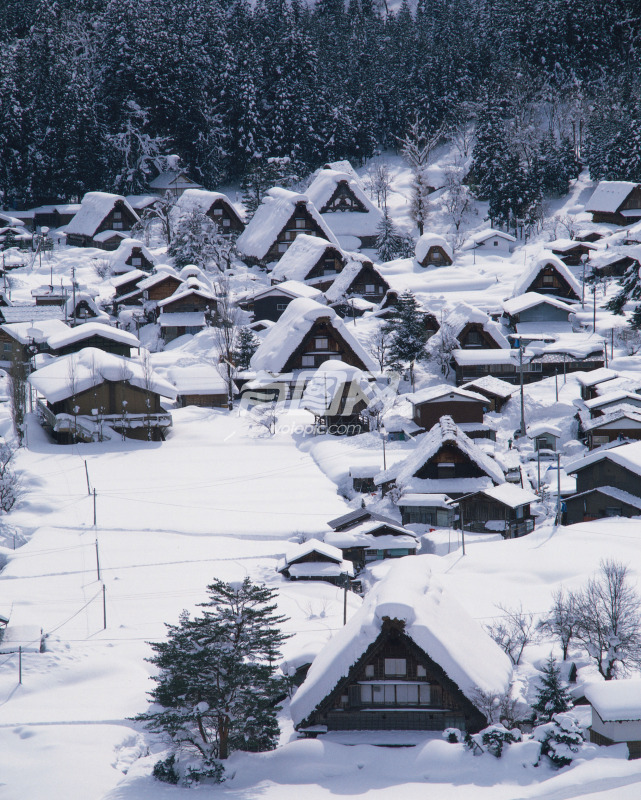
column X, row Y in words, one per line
column 31, row 313
column 321, row 569
column 433, row 619
column 191, row 287
column 94, row 208
column 344, row 280
column 40, row 330
column 464, row 313
column 313, row 546
column 356, row 537
column 609, row 196
column 446, row 431
column 564, row 245
column 82, row 297
column 290, row 288
column 197, row 379
column 491, row 385
column 473, row 357
column 428, row 240
column 140, row 202
column 527, row 278
column 577, row 345
column 611, row 397
column 434, row 500
column 477, row 239
column 173, row 179
column 270, row 218
column 531, row 299
column 105, row 236
column 180, row 319
column 616, row 701
column 128, row 277
column 359, row 223
column 198, row 200
column 90, row 367
column 344, row 166
column 89, row 329
column 541, row 428
column 510, row 495
column 616, row 414
column 162, row 272
column 124, row 250
column 301, row 255
column 444, row 391
column 296, row 321
column 615, row 493
column 595, row 376
column 327, row 383
column 627, row 456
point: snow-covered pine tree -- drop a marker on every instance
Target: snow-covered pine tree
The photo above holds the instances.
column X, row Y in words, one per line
column 390, row 242
column 407, row 333
column 630, row 290
column 246, row 346
column 195, row 239
column 216, row 687
column 551, row 696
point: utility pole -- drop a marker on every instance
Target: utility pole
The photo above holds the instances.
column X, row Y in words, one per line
column 20, row 665
column 558, row 488
column 345, row 586
column 73, row 289
column 460, row 511
column 383, row 432
column 87, row 474
column 538, row 467
column 556, row 383
column 97, row 560
column 584, row 259
column 94, row 508
column 104, row 608
column 521, row 381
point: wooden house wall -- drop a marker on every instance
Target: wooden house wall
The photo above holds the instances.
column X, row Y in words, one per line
column 474, row 332
column 368, row 276
column 127, row 219
column 428, row 414
column 436, row 257
column 272, row 306
column 227, row 213
column 189, row 303
column 331, row 262
column 163, row 289
column 143, row 263
column 598, row 437
column 595, row 506
column 100, row 342
column 344, row 709
column 204, row 400
column 126, row 288
column 550, row 281
column 289, row 232
column 607, row 473
column 337, row 348
column 572, row 257
column 542, row 313
column 108, row 397
column 464, row 467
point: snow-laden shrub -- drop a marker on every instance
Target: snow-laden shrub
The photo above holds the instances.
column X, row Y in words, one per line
column 561, row 739
column 171, row 770
column 165, row 770
column 453, row 735
column 493, row 739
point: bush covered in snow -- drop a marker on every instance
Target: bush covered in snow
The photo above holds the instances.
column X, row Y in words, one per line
column 561, row 739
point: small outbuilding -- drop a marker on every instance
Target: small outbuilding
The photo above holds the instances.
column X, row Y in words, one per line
column 101, row 221
column 491, row 242
column 433, row 250
column 315, row 561
column 615, row 202
column 616, row 713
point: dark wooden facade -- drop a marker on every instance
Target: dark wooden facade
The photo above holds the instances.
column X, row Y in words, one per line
column 428, row 413
column 138, row 260
column 436, row 256
column 395, row 685
column 97, row 341
column 321, row 343
column 572, row 256
column 225, row 216
column 329, row 265
column 343, row 199
column 615, row 268
column 632, row 201
column 220, row 400
column 313, row 558
column 549, row 280
column 478, row 509
column 272, row 305
column 189, row 301
column 597, row 504
column 368, row 284
column 163, row 289
column 475, row 336
column 301, row 221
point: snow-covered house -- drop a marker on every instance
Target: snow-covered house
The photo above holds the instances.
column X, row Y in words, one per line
column 131, row 255
column 174, row 182
column 92, row 334
column 616, row 202
column 347, row 210
column 89, row 392
column 312, row 260
column 81, row 306
column 142, row 204
column 215, row 205
column 187, row 311
column 102, row 219
column 373, row 541
column 532, row 312
column 570, row 251
column 608, row 484
column 270, row 303
column 573, row 352
column 279, row 219
column 472, row 364
column 357, row 517
column 606, row 402
column 49, row 295
column 472, row 328
column 612, row 264
column 24, row 339
column 429, row 405
column 497, row 392
column 433, row 250
column 491, row 242
column 359, row 278
column 315, row 561
column 621, row 423
column 616, row 713
column 338, row 395
column 503, row 509
column 304, row 337
column 410, row 659
column 591, row 381
column 548, row 275
column 199, row 385
column 162, row 283
column 128, row 282
column 444, row 461
column 544, row 436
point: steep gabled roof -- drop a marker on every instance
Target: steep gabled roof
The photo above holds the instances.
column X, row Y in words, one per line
column 477, row 239
column 94, row 208
column 327, row 383
column 609, row 196
column 429, row 240
column 118, row 258
column 491, row 385
column 348, row 275
column 320, row 192
column 627, row 456
column 89, row 329
column 271, row 217
column 515, row 305
column 354, row 518
column 162, row 273
column 433, row 620
column 527, row 278
column 290, row 288
column 446, row 431
column 444, row 390
column 302, row 255
column 297, row 320
column 173, row 179
column 461, row 316
column 200, row 200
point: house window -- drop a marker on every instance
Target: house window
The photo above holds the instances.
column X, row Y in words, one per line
column 369, row 671
column 446, row 470
column 370, row 288
column 548, row 280
column 329, row 271
column 218, row 212
column 117, row 214
column 7, row 347
column 407, row 694
column 519, row 512
column 136, row 262
column 396, row 666
column 308, row 361
column 421, row 672
column 117, row 226
column 495, row 243
column 321, row 343
column 301, row 224
column 282, row 247
column 226, row 223
column 281, row 306
column 600, row 439
column 473, row 339
column 436, row 256
column 612, row 511
column 394, row 694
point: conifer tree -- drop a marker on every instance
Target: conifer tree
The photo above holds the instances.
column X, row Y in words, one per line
column 246, row 346
column 551, row 696
column 407, row 333
column 216, row 687
column 390, row 242
column 195, row 240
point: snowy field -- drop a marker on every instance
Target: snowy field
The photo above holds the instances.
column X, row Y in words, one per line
column 222, row 499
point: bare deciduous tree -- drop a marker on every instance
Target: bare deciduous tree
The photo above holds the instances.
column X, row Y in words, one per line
column 501, row 708
column 226, row 331
column 18, row 374
column 513, row 632
column 561, row 621
column 378, row 181
column 378, row 346
column 11, row 488
column 441, row 346
column 457, row 200
column 609, row 620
